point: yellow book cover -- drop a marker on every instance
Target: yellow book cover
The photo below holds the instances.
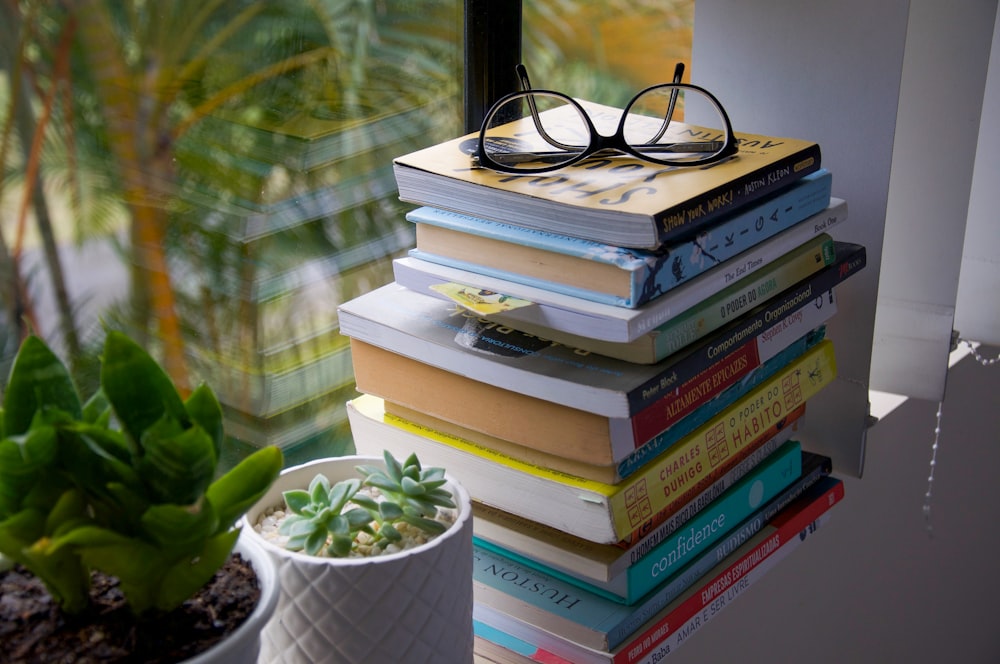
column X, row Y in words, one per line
column 619, row 201
column 592, row 510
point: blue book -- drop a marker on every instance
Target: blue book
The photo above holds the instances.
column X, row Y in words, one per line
column 601, row 272
column 505, row 587
column 699, row 533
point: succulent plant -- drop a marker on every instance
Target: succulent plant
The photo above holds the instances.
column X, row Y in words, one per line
column 326, row 520
column 123, row 483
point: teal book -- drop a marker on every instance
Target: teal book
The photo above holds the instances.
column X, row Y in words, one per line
column 658, row 561
column 607, row 273
column 525, row 601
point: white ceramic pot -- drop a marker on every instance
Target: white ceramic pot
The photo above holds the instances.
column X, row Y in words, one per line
column 411, row 607
column 243, row 645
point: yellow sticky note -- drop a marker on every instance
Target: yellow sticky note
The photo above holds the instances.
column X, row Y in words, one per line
column 477, row 300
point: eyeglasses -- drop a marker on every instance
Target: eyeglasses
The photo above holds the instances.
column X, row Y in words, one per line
column 561, row 133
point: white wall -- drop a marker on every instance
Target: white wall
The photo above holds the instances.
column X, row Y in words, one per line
column 828, row 71
column 893, row 92
column 872, row 585
column 980, row 277
column 934, row 154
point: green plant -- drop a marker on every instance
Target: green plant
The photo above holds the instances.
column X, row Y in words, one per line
column 406, row 493
column 124, row 483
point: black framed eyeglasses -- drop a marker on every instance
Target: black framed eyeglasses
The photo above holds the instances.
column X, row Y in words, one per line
column 561, row 133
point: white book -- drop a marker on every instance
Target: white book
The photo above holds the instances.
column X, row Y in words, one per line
column 559, row 311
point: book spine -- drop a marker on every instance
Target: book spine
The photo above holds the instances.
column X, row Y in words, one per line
column 726, row 305
column 688, row 461
column 687, row 219
column 699, row 399
column 671, row 472
column 602, row 561
column 850, row 260
column 521, row 650
column 699, row 494
column 743, row 229
column 724, row 587
column 694, row 324
column 712, row 523
column 558, row 316
column 650, row 567
column 805, row 326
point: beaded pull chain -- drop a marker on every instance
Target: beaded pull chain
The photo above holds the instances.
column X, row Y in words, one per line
column 930, row 476
column 986, row 362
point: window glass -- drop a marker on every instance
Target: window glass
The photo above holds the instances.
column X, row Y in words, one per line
column 214, row 178
column 606, row 51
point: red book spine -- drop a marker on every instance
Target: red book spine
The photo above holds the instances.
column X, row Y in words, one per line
column 673, row 406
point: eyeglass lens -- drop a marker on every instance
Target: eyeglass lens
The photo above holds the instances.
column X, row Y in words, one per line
column 554, row 134
column 655, row 125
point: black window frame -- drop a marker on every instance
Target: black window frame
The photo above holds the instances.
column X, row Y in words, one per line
column 492, row 30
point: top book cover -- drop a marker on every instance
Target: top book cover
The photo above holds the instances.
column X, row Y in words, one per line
column 620, row 200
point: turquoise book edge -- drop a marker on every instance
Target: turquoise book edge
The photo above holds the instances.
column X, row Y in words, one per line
column 688, row 542
column 652, row 273
column 617, row 621
column 514, row 644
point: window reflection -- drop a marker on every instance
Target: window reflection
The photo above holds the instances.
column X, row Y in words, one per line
column 215, row 178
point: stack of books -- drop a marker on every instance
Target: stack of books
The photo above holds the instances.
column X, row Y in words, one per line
column 615, row 359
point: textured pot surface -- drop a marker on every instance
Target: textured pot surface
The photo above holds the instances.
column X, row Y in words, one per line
column 410, row 607
column 243, row 645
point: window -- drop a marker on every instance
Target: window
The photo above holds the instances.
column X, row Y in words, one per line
column 216, row 183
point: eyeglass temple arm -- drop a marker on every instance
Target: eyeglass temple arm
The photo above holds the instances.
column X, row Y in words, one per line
column 522, row 76
column 678, row 75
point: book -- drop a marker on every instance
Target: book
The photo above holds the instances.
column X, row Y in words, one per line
column 591, row 510
column 605, row 514
column 619, row 201
column 449, row 337
column 607, row 474
column 709, row 486
column 627, row 575
column 488, row 649
column 506, row 413
column 585, row 628
column 589, row 560
column 646, row 567
column 602, row 272
column 714, row 297
column 659, row 344
column 559, row 551
column 680, row 417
